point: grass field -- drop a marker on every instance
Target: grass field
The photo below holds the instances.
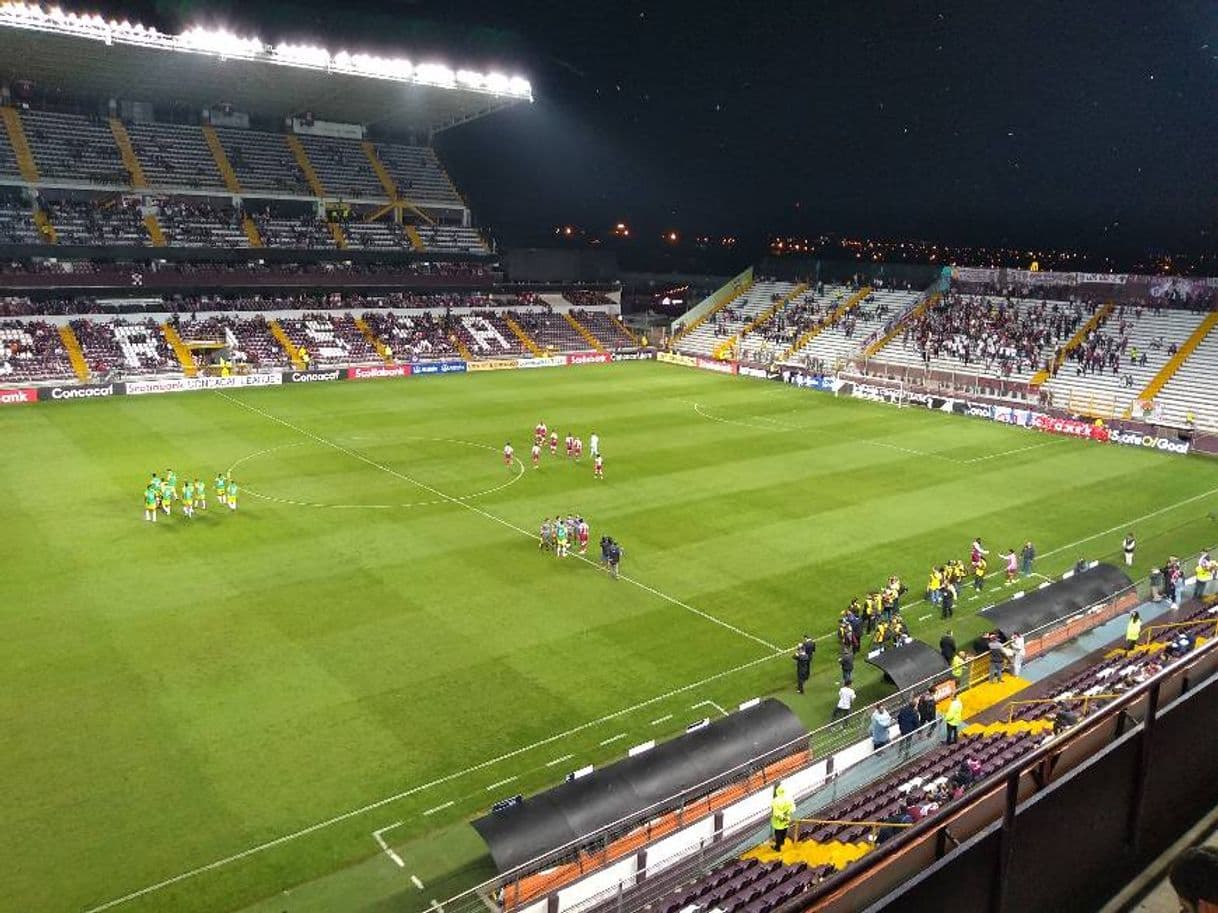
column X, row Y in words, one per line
column 219, row 711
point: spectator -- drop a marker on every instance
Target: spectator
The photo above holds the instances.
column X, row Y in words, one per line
column 1027, row 556
column 782, row 813
column 845, row 700
column 926, row 707
column 1127, row 548
column 997, row 658
column 947, row 646
column 1194, row 876
column 881, row 720
column 1018, row 652
column 846, row 659
column 907, row 719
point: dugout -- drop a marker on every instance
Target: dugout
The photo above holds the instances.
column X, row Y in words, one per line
column 910, row 664
column 1094, row 586
column 642, row 787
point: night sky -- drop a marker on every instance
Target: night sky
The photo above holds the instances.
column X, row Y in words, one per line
column 1090, row 125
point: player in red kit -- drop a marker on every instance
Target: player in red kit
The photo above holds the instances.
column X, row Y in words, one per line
column 553, row 443
column 598, row 467
column 581, row 533
column 537, row 456
column 539, row 433
column 508, row 452
column 570, row 446
column 578, row 448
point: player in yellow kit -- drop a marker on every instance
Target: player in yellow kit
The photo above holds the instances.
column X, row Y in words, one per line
column 230, row 494
column 151, row 495
column 221, row 487
column 201, row 494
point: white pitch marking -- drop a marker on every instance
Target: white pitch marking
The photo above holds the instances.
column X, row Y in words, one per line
column 663, row 719
column 463, row 502
column 926, row 616
column 708, row 704
column 614, row 738
column 415, row 881
column 501, row 783
column 385, row 847
column 556, row 761
column 440, row 808
column 994, row 456
column 435, row 905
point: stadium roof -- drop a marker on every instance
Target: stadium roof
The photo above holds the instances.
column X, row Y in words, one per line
column 87, row 55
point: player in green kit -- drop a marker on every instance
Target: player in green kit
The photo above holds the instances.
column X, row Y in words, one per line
column 188, row 498
column 220, row 487
column 168, row 495
column 201, row 494
column 231, row 494
column 150, row 498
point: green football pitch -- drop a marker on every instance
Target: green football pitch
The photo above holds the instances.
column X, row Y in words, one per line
column 218, row 714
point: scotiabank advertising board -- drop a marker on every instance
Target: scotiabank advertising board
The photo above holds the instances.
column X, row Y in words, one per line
column 1069, row 427
column 719, row 367
column 371, row 372
column 179, row 384
column 589, row 358
column 15, row 396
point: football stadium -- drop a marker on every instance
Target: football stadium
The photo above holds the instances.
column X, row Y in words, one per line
column 359, row 559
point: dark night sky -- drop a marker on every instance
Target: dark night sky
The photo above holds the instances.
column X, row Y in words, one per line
column 1078, row 124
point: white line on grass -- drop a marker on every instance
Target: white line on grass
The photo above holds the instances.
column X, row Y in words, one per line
column 435, row 905
column 378, row 836
column 613, row 738
column 663, row 719
column 556, row 761
column 499, row 783
column 414, row 790
column 994, row 456
column 414, row 879
column 463, row 502
column 709, row 704
column 440, row 808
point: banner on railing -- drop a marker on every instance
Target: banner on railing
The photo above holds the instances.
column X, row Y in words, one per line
column 1069, row 427
column 371, row 372
column 311, row 377
column 1149, row 441
column 15, row 396
column 553, row 361
column 439, row 367
column 180, row 384
column 588, row 358
column 82, row 391
column 492, row 364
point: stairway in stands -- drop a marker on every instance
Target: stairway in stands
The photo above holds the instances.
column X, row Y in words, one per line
column 75, row 354
column 185, row 359
column 812, row 332
column 21, row 146
column 306, row 166
column 582, row 330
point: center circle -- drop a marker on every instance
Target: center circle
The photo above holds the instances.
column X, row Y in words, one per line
column 375, row 473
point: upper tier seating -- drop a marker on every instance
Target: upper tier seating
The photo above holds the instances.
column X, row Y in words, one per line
column 729, row 320
column 8, row 158
column 32, row 351
column 376, row 236
column 263, row 161
column 1120, row 358
column 174, row 155
column 342, row 167
column 192, row 223
column 418, row 174
column 452, row 238
column 70, row 147
column 305, row 231
column 329, row 338
column 130, row 348
column 411, row 336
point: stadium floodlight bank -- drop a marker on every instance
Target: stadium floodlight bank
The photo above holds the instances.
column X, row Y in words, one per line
column 224, row 45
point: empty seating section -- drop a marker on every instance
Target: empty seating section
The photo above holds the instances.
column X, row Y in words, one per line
column 71, row 147
column 987, row 336
column 1119, row 358
column 376, row 236
column 190, row 223
column 32, row 351
column 1193, row 388
column 487, row 335
column 304, row 232
column 8, row 158
column 17, row 223
column 111, row 222
column 174, row 155
column 745, row 886
column 411, row 335
column 840, row 341
column 342, row 167
column 550, row 331
column 329, row 338
column 605, row 327
column 125, row 347
column 729, row 320
column 452, row 239
column 263, row 161
column 418, row 174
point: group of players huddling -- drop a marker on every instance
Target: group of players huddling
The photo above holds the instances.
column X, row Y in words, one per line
column 160, row 493
column 575, row 449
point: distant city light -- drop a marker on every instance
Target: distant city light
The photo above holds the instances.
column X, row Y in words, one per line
column 225, row 45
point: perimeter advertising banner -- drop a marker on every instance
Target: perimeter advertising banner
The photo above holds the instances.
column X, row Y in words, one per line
column 372, row 372
column 589, row 358
column 82, row 391
column 15, row 396
column 555, row 361
column 1069, row 427
column 492, row 364
column 179, row 384
column 439, row 367
column 1149, row 441
column 634, row 355
column 312, row 377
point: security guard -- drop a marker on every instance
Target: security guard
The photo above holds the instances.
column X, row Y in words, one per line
column 958, row 664
column 954, row 718
column 1133, row 630
column 782, row 811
